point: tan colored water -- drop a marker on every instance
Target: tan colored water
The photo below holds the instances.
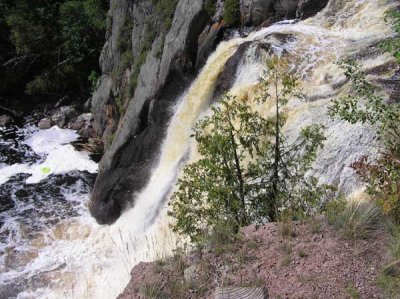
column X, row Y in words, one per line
column 97, row 260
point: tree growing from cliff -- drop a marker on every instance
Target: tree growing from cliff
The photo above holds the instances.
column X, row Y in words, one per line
column 247, row 171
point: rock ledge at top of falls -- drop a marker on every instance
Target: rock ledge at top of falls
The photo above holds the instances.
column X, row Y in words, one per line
column 126, row 164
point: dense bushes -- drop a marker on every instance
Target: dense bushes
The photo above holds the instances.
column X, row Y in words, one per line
column 210, row 6
column 56, row 43
column 231, row 12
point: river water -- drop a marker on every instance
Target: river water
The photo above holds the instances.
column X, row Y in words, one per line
column 50, row 247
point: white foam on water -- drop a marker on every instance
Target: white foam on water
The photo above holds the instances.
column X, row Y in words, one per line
column 96, row 260
column 60, row 157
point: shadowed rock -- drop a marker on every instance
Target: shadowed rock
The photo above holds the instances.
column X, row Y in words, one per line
column 126, row 165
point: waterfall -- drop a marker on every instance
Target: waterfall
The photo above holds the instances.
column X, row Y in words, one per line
column 83, row 260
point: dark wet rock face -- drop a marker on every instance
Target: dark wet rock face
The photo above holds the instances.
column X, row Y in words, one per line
column 126, row 165
column 208, row 40
column 254, row 12
column 257, row 12
column 227, row 77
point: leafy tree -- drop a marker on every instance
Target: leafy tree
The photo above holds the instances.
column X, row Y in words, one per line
column 213, row 191
column 82, row 26
column 231, row 12
column 364, row 105
column 247, row 171
column 57, row 43
column 393, row 45
column 283, row 166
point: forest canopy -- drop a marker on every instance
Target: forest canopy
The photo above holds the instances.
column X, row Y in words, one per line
column 51, row 46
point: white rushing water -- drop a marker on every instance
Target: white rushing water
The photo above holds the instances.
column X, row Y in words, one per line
column 76, row 258
column 61, row 157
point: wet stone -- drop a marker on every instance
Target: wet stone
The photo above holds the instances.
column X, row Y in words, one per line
column 45, row 124
column 6, row 120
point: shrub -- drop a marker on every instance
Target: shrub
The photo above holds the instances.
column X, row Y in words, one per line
column 210, row 7
column 231, row 12
column 124, row 39
column 393, row 45
column 333, row 208
column 365, row 106
column 357, row 220
column 165, row 10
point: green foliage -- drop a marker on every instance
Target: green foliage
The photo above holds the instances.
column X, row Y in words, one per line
column 127, row 59
column 286, row 184
column 210, row 6
column 82, row 26
column 124, row 39
column 121, row 104
column 333, row 208
column 110, row 139
column 393, row 45
column 57, row 43
column 394, row 245
column 247, row 171
column 357, row 219
column 364, row 105
column 389, row 278
column 165, row 10
column 389, row 285
column 213, row 190
column 231, row 12
column 93, row 79
column 352, row 291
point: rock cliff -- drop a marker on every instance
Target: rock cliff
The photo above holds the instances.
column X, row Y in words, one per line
column 166, row 70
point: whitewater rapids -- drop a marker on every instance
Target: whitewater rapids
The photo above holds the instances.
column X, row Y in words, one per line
column 80, row 259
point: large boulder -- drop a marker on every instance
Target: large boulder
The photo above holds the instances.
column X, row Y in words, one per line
column 227, row 77
column 308, row 8
column 300, row 9
column 6, row 120
column 63, row 115
column 45, row 123
column 208, row 40
column 286, row 8
column 254, row 12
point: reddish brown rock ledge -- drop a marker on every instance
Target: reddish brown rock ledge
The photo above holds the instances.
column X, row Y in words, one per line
column 315, row 262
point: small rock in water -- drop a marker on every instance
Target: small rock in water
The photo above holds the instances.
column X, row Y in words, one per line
column 62, row 116
column 45, row 124
column 81, row 122
column 6, row 120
